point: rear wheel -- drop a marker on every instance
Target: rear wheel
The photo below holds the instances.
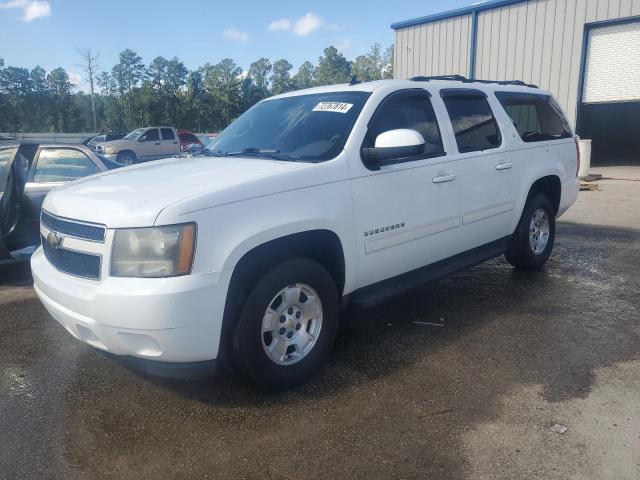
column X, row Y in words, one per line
column 287, row 325
column 533, row 240
column 126, row 158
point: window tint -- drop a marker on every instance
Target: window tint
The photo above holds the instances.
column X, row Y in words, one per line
column 473, row 122
column 62, row 165
column 152, row 135
column 408, row 109
column 536, row 117
column 5, row 156
column 167, row 134
column 188, row 138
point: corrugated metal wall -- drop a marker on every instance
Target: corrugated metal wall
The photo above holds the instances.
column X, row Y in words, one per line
column 435, row 48
column 538, row 41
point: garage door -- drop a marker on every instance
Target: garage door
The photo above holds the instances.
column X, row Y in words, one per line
column 612, row 71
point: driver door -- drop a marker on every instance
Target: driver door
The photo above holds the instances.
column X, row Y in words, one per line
column 149, row 145
column 406, row 211
column 10, row 190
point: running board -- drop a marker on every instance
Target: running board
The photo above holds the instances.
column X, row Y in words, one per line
column 385, row 290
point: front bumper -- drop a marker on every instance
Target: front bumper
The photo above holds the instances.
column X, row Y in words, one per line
column 166, row 319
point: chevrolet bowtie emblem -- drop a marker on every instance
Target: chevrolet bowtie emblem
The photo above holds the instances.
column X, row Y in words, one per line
column 54, row 240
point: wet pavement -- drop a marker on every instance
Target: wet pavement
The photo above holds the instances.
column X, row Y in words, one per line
column 400, row 398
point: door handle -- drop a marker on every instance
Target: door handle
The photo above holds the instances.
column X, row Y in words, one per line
column 157, row 143
column 175, row 143
column 443, row 178
column 504, row 166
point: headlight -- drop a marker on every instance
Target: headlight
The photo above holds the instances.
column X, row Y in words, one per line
column 153, row 252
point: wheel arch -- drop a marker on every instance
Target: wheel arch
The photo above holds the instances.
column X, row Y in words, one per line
column 551, row 186
column 321, row 245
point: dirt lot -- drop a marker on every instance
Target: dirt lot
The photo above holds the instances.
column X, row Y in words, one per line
column 474, row 398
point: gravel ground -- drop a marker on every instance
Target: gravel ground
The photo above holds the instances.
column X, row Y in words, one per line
column 474, row 398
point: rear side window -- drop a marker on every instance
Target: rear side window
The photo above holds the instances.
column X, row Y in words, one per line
column 407, row 109
column 537, row 117
column 167, row 134
column 473, row 122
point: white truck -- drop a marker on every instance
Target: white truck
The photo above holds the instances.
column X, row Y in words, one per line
column 309, row 200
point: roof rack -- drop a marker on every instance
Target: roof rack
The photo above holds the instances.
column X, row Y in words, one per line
column 460, row 78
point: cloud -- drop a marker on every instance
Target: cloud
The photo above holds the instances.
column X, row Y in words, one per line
column 308, row 24
column 75, row 78
column 31, row 9
column 303, row 26
column 343, row 45
column 235, row 35
column 281, row 24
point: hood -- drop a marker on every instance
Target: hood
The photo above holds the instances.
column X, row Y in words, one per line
column 116, row 144
column 134, row 196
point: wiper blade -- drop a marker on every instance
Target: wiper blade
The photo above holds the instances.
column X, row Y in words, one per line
column 252, row 151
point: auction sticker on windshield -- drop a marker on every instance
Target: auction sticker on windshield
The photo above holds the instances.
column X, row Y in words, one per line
column 338, row 107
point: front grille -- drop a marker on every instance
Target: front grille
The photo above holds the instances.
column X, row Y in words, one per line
column 84, row 231
column 74, row 263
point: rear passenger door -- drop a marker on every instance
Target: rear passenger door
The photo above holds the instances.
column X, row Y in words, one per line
column 406, row 212
column 170, row 144
column 487, row 190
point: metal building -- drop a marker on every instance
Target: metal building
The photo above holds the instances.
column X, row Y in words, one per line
column 586, row 52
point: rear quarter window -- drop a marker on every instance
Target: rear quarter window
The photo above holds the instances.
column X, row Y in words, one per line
column 536, row 117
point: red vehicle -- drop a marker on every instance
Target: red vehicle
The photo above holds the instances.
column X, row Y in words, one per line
column 186, row 138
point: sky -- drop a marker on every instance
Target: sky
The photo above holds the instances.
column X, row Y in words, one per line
column 49, row 32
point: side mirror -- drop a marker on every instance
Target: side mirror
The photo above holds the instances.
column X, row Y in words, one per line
column 143, row 138
column 393, row 145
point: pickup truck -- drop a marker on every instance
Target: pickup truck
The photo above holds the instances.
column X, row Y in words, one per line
column 309, row 201
column 142, row 145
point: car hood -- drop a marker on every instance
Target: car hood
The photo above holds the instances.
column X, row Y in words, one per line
column 134, row 196
column 116, row 143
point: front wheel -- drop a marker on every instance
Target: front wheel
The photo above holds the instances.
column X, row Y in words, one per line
column 288, row 324
column 533, row 240
column 126, row 158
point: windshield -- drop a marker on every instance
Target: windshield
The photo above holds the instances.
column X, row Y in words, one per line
column 135, row 134
column 304, row 127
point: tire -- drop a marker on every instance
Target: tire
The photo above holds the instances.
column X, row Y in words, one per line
column 529, row 249
column 127, row 158
column 256, row 328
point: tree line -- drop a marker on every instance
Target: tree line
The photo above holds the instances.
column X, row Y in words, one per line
column 165, row 92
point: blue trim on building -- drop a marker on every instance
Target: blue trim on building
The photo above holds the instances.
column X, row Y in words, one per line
column 473, row 46
column 455, row 13
column 583, row 56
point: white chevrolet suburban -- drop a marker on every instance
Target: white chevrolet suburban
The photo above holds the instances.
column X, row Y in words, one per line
column 247, row 252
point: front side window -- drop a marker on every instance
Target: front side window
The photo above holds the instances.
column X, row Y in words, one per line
column 537, row 117
column 409, row 109
column 62, row 165
column 151, row 135
column 167, row 134
column 310, row 128
column 473, row 122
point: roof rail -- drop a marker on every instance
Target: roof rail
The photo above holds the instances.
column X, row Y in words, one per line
column 457, row 78
column 461, row 78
